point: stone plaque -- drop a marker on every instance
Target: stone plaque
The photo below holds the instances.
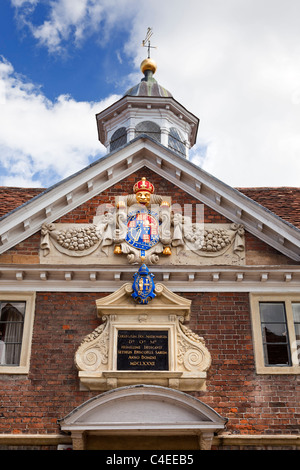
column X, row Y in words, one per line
column 143, row 350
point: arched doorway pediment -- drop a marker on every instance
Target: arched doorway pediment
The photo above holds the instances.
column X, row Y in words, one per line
column 144, row 409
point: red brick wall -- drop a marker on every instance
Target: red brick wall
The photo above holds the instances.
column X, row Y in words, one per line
column 33, row 404
column 252, row 403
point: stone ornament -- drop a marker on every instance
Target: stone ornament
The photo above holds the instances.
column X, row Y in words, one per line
column 92, row 354
column 211, row 242
column 188, row 357
column 143, row 228
column 192, row 354
column 74, row 240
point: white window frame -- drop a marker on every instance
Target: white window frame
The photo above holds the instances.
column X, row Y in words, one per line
column 288, row 299
column 29, row 298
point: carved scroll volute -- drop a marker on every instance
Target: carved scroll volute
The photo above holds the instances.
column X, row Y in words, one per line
column 92, row 354
column 165, row 232
column 192, row 354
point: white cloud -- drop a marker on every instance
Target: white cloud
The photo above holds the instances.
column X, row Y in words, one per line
column 22, row 3
column 236, row 65
column 74, row 20
column 41, row 137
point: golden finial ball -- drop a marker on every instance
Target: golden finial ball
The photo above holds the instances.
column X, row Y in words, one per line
column 148, row 64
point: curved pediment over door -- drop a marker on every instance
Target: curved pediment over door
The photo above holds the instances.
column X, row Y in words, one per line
column 143, row 411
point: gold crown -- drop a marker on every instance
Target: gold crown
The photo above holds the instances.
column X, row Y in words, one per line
column 143, row 185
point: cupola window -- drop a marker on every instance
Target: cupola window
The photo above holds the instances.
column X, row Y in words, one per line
column 175, row 142
column 118, row 138
column 149, row 128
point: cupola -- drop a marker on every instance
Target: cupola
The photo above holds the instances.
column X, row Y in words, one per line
column 148, row 109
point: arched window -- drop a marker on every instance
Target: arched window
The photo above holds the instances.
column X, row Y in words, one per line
column 11, row 332
column 175, row 142
column 118, row 138
column 149, row 128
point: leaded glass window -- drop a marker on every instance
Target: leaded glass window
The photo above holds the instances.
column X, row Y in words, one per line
column 118, row 138
column 148, row 127
column 175, row 142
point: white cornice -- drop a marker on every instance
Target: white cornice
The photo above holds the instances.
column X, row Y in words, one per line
column 144, row 152
column 78, row 278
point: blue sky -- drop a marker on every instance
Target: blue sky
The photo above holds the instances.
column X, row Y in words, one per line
column 89, row 70
column 235, row 64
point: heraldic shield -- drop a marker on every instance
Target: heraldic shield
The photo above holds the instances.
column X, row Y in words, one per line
column 142, row 229
column 143, row 285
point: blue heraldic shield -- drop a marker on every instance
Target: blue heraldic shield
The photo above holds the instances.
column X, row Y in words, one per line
column 143, row 285
column 143, row 229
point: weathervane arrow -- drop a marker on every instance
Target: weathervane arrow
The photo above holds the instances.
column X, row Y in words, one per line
column 146, row 41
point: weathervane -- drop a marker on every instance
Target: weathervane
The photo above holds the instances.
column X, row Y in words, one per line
column 146, row 41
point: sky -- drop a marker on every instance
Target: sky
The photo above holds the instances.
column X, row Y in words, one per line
column 235, row 64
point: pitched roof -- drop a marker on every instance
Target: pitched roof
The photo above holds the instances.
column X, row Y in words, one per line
column 283, row 201
column 11, row 198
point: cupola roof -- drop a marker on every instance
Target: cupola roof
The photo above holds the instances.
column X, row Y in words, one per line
column 148, row 86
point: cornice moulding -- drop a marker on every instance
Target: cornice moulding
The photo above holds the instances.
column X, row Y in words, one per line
column 77, row 278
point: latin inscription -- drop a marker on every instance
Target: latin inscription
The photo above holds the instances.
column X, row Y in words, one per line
column 143, row 350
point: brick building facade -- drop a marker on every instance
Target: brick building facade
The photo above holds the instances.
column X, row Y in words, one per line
column 245, row 306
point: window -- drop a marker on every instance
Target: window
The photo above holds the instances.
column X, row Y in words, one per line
column 11, row 331
column 118, row 138
column 296, row 315
column 149, row 128
column 276, row 333
column 175, row 142
column 16, row 322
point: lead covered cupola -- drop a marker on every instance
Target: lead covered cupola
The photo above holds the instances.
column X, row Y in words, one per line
column 148, row 108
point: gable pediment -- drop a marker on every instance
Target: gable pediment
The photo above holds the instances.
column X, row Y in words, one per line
column 64, row 197
column 120, row 302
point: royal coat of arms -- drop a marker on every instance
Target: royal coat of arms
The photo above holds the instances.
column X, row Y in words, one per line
column 143, row 285
column 143, row 227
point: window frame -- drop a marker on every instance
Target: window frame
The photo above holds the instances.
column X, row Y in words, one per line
column 287, row 299
column 29, row 299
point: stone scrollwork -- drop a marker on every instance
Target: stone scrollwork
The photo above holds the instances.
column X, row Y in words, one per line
column 92, row 354
column 192, row 353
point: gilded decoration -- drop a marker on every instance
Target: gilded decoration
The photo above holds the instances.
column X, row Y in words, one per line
column 144, row 227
